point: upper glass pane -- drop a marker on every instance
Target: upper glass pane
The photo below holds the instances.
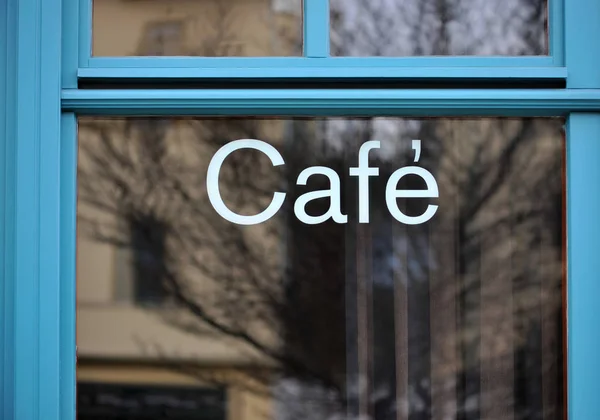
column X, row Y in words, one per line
column 396, row 279
column 396, row 28
column 208, row 28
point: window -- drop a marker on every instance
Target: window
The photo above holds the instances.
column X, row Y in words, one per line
column 148, row 248
column 162, row 38
column 458, row 303
column 136, row 403
column 444, row 317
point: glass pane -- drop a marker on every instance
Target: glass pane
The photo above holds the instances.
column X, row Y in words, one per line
column 426, row 287
column 206, row 28
column 438, row 27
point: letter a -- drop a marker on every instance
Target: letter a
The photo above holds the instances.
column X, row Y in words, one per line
column 333, row 193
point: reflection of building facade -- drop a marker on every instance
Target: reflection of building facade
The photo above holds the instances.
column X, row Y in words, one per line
column 128, row 330
column 129, row 355
column 209, row 28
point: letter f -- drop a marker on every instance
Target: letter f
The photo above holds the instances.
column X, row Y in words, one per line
column 363, row 172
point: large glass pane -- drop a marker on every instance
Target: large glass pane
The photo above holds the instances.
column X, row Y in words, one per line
column 438, row 27
column 426, row 287
column 208, row 28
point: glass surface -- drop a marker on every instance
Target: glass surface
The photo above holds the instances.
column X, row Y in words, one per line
column 438, row 27
column 372, row 311
column 206, row 28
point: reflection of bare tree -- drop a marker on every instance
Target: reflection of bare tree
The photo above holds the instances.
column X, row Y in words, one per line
column 380, row 320
column 506, row 223
column 438, row 27
column 226, row 276
column 480, row 218
column 500, row 185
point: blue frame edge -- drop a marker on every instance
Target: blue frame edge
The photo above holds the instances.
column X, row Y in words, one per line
column 404, row 102
column 7, row 208
column 68, row 252
column 31, row 80
column 315, row 21
column 83, row 29
column 534, row 68
column 583, row 284
column 582, row 53
column 316, row 18
column 556, row 33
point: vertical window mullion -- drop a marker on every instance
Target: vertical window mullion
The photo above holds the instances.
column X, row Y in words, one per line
column 556, row 31
column 316, row 28
column 85, row 31
column 582, row 58
column 583, row 242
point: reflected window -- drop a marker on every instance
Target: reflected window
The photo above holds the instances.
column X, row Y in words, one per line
column 163, row 38
column 137, row 402
column 148, row 247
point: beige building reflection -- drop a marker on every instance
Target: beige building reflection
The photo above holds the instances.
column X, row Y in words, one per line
column 125, row 341
column 211, row 28
column 129, row 331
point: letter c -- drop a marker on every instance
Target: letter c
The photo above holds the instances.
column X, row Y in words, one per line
column 212, row 181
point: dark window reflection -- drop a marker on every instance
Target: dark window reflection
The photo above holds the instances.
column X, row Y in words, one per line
column 438, row 27
column 456, row 318
column 148, row 248
column 131, row 402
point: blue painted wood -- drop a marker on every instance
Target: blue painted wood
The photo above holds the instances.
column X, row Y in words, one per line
column 84, row 28
column 68, row 206
column 307, row 62
column 556, row 31
column 31, row 209
column 409, row 102
column 582, row 58
column 310, row 68
column 582, row 46
column 7, row 208
column 316, row 28
column 334, row 62
column 70, row 43
column 4, row 314
column 583, row 227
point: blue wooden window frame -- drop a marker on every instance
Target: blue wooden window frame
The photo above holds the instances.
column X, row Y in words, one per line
column 45, row 56
column 315, row 48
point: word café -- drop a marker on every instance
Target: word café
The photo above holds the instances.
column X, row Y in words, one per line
column 363, row 171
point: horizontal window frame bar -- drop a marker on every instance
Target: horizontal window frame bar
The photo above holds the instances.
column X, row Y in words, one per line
column 315, row 102
column 316, row 71
column 176, row 62
column 316, row 41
